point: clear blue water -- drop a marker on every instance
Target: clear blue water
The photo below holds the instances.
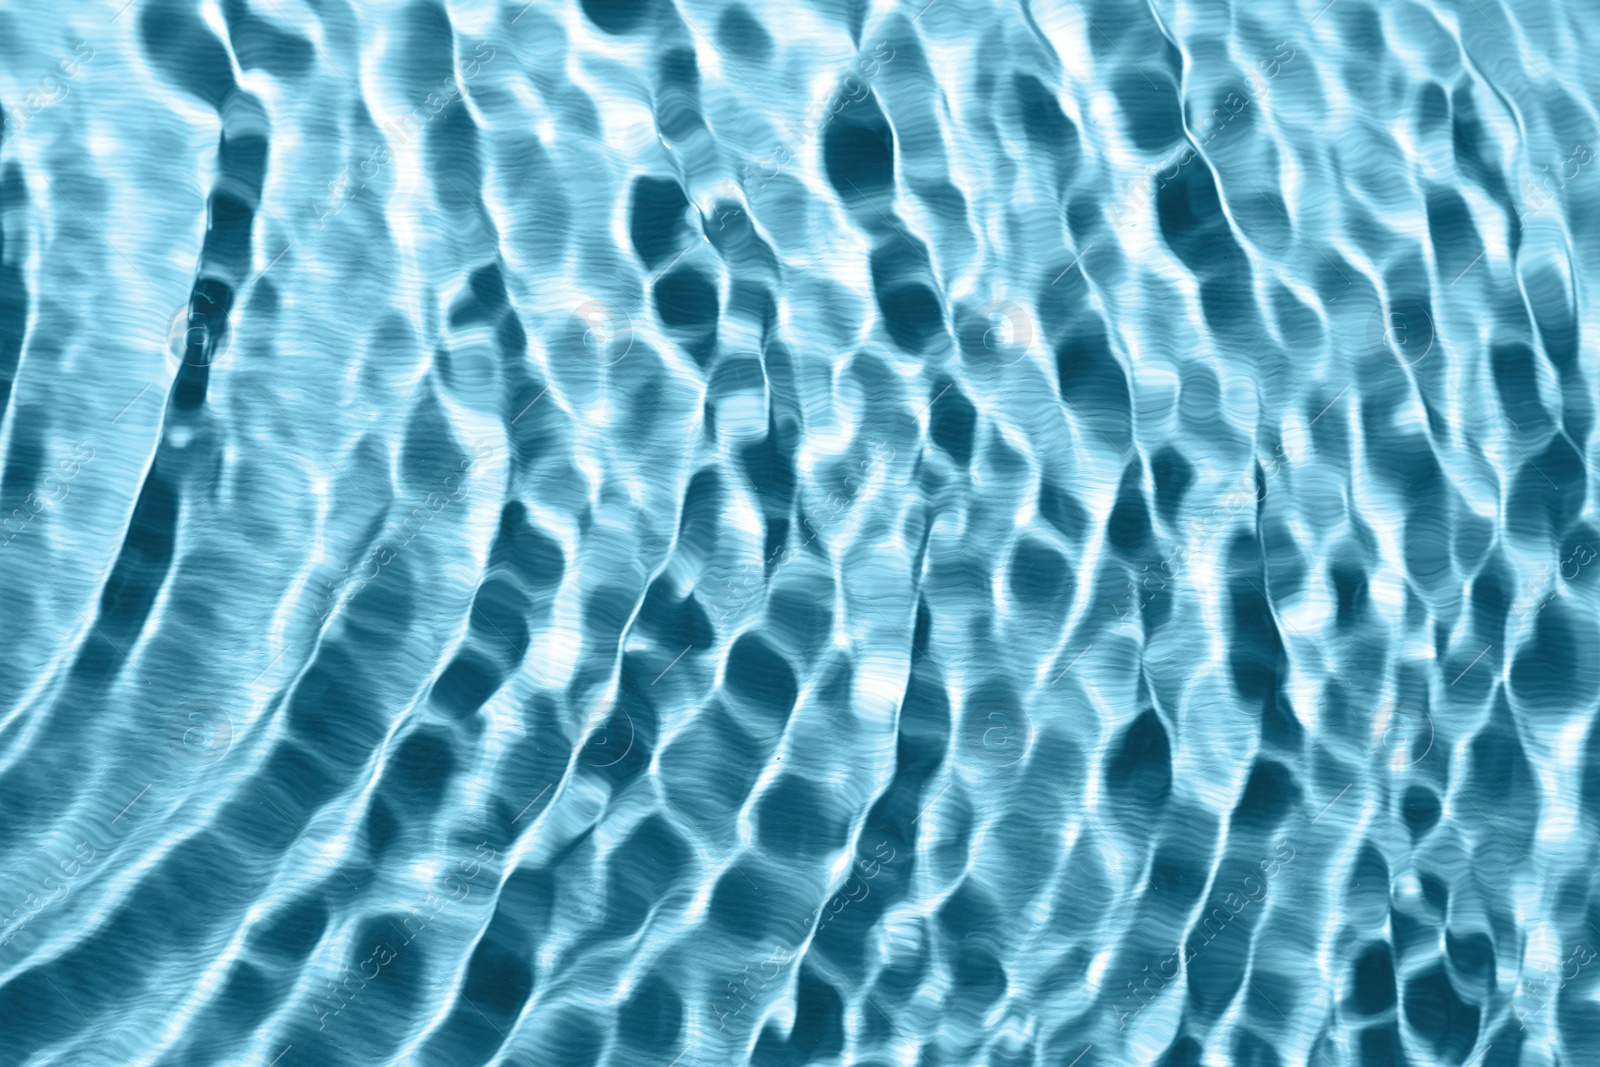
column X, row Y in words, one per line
column 710, row 533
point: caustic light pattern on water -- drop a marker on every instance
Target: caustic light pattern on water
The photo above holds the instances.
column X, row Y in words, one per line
column 632, row 533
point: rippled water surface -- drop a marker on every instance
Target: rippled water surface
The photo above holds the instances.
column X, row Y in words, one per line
column 714, row 532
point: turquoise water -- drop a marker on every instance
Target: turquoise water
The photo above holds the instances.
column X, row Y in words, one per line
column 710, row 533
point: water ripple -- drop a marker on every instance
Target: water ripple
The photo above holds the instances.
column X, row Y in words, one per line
column 655, row 532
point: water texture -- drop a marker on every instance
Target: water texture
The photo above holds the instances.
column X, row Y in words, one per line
column 712, row 532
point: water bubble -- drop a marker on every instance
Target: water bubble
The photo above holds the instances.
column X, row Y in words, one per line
column 599, row 334
column 201, row 734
